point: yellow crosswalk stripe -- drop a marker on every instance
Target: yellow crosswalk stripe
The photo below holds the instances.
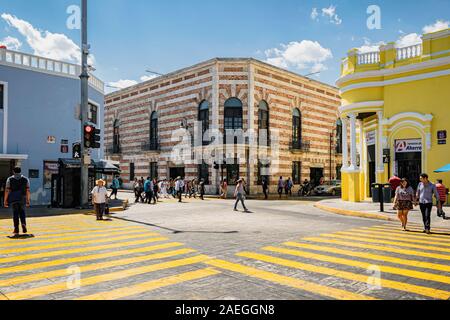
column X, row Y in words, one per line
column 69, row 234
column 417, row 228
column 397, row 244
column 380, row 248
column 363, row 265
column 124, row 236
column 62, row 286
column 394, row 237
column 79, row 250
column 151, row 285
column 288, row 281
column 424, row 291
column 370, row 256
column 51, row 231
column 412, row 232
column 90, row 235
column 67, row 261
column 92, row 267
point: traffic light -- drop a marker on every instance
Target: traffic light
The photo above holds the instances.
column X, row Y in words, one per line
column 92, row 137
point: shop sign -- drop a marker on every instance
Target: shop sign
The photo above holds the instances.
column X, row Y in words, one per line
column 50, row 168
column 371, row 138
column 442, row 135
column 408, row 146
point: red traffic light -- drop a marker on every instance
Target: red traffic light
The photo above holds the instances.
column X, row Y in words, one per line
column 89, row 129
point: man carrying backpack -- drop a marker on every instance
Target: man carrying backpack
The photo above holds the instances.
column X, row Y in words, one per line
column 17, row 195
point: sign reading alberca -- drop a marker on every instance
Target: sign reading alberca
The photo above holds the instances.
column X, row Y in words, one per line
column 408, row 146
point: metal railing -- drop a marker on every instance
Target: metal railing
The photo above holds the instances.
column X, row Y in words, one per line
column 113, row 149
column 151, row 146
column 36, row 63
column 300, row 145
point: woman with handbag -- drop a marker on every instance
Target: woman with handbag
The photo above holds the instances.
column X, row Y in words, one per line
column 403, row 202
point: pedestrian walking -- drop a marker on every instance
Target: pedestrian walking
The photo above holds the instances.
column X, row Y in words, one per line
column 403, row 202
column 224, row 194
column 148, row 190
column 136, row 190
column 18, row 196
column 265, row 187
column 202, row 189
column 442, row 191
column 425, row 192
column 179, row 187
column 239, row 194
column 280, row 187
column 155, row 191
column 99, row 199
column 288, row 187
column 115, row 187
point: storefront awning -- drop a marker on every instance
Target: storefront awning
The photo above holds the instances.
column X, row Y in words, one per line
column 443, row 169
column 13, row 156
column 106, row 167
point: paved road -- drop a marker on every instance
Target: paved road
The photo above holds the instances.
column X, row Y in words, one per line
column 204, row 250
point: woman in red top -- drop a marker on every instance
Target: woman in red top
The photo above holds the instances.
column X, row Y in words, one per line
column 442, row 191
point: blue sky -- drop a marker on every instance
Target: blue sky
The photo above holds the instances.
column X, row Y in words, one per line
column 128, row 37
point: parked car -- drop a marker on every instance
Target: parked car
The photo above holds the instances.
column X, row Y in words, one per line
column 332, row 188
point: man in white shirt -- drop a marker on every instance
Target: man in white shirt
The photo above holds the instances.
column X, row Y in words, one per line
column 179, row 186
column 99, row 198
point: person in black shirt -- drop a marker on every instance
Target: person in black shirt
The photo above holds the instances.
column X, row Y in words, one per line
column 17, row 195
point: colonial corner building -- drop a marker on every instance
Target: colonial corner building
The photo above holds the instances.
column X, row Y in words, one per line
column 396, row 106
column 226, row 94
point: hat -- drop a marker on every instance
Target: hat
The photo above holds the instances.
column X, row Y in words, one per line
column 100, row 180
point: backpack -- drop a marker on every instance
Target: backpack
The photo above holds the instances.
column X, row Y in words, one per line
column 18, row 190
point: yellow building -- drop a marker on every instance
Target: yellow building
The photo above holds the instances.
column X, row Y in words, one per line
column 396, row 109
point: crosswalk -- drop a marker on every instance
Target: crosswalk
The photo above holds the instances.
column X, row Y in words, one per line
column 100, row 254
column 379, row 262
column 76, row 257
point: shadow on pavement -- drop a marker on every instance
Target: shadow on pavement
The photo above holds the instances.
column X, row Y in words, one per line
column 173, row 230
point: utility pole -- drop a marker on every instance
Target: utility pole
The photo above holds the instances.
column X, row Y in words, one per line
column 84, row 105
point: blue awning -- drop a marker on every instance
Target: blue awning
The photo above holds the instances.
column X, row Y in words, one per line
column 444, row 169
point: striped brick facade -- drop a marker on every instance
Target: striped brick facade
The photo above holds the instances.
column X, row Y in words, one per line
column 176, row 98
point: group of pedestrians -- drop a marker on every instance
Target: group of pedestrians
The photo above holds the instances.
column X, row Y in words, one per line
column 284, row 186
column 406, row 199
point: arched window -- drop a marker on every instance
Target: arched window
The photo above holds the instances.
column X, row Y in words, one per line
column 233, row 115
column 339, row 136
column 154, row 131
column 203, row 117
column 263, row 123
column 297, row 129
column 116, row 136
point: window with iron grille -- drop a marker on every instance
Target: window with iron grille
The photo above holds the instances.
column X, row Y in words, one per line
column 154, row 170
column 132, row 171
column 93, row 113
column 203, row 173
column 296, row 172
column 263, row 172
column 2, row 96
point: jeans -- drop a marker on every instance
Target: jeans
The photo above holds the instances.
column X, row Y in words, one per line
column 179, row 195
column 266, row 195
column 426, row 214
column 240, row 197
column 18, row 216
column 99, row 210
column 114, row 193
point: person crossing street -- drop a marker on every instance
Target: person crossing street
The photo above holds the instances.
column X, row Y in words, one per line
column 239, row 194
column 18, row 196
column 425, row 193
column 99, row 199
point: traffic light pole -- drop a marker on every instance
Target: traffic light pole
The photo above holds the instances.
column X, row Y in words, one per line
column 84, row 105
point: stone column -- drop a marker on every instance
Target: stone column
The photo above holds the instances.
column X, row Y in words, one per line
column 344, row 143
column 379, row 146
column 353, row 163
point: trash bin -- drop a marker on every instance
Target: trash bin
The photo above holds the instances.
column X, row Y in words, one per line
column 387, row 193
column 376, row 195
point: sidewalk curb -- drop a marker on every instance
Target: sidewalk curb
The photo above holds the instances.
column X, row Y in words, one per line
column 352, row 213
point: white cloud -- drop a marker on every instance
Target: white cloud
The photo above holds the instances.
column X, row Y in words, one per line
column 125, row 83
column 45, row 43
column 408, row 40
column 147, row 78
column 330, row 12
column 302, row 55
column 314, row 14
column 369, row 46
column 11, row 43
column 437, row 26
column 122, row 84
